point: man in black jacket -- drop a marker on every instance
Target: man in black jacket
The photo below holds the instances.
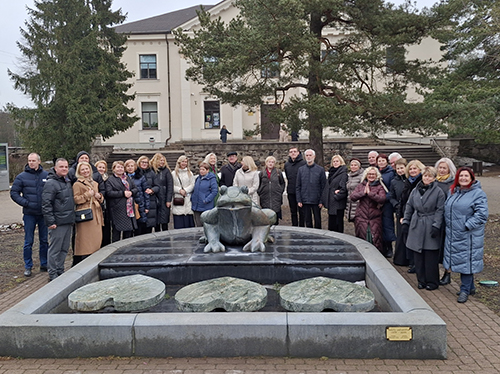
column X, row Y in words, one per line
column 58, row 209
column 311, row 181
column 228, row 170
column 295, row 161
column 26, row 191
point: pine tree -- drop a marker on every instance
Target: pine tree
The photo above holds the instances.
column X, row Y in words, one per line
column 467, row 97
column 73, row 74
column 355, row 83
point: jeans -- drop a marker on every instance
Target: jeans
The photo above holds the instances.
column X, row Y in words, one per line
column 30, row 222
column 467, row 282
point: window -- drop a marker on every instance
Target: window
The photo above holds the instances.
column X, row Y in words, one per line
column 212, row 114
column 149, row 116
column 148, row 66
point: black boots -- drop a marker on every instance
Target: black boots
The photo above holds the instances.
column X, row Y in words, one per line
column 446, row 279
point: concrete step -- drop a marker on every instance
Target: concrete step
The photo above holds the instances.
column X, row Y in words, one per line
column 424, row 153
column 170, row 155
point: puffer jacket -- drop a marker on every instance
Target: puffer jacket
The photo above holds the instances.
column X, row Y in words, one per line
column 311, row 181
column 337, row 180
column 204, row 193
column 27, row 190
column 353, row 180
column 397, row 186
column 142, row 198
column 369, row 212
column 271, row 190
column 423, row 212
column 291, row 170
column 165, row 182
column 465, row 214
column 184, row 179
column 151, row 182
column 58, row 205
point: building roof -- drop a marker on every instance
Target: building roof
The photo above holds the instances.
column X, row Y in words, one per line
column 163, row 23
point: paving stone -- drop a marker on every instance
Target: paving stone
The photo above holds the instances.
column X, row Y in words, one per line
column 228, row 293
column 128, row 293
column 320, row 293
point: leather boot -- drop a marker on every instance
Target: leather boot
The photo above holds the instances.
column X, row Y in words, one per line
column 446, row 279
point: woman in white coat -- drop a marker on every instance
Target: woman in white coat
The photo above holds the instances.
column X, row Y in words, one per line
column 183, row 187
column 248, row 176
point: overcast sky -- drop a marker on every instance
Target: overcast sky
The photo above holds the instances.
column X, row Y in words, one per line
column 13, row 15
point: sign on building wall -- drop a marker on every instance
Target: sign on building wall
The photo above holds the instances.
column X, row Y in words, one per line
column 4, row 166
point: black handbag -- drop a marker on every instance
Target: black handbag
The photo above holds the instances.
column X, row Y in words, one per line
column 83, row 215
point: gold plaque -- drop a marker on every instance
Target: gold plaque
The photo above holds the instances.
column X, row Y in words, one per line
column 398, row 333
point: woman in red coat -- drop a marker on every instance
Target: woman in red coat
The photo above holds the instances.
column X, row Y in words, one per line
column 370, row 195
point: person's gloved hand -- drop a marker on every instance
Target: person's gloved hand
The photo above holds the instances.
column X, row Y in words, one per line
column 405, row 228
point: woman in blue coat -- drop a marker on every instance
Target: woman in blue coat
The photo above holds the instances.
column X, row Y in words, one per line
column 204, row 193
column 465, row 213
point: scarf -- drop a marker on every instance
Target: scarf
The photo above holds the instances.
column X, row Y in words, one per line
column 443, row 178
column 130, row 201
column 413, row 179
column 331, row 173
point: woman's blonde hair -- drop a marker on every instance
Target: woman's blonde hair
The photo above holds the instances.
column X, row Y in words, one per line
column 141, row 158
column 270, row 158
column 178, row 165
column 128, row 162
column 416, row 163
column 155, row 162
column 430, row 171
column 118, row 162
column 367, row 170
column 342, row 162
column 101, row 162
column 248, row 160
column 79, row 166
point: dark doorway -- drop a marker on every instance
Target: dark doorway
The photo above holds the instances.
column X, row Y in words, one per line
column 268, row 129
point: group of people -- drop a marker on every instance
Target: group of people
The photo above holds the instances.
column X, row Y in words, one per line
column 434, row 214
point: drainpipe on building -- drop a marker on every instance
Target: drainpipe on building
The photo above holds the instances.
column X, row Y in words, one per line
column 168, row 90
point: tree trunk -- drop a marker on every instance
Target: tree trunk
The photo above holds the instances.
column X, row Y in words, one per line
column 313, row 89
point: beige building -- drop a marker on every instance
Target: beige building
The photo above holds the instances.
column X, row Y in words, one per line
column 172, row 109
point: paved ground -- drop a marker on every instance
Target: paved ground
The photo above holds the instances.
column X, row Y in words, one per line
column 473, row 337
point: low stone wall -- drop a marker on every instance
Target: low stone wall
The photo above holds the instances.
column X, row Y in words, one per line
column 260, row 150
column 484, row 152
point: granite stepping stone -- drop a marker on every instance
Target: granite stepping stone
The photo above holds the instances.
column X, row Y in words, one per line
column 228, row 293
column 320, row 293
column 127, row 293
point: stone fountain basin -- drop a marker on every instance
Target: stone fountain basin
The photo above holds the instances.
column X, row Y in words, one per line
column 30, row 330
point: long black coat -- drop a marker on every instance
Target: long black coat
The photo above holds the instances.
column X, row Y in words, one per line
column 337, row 180
column 271, row 190
column 166, row 184
column 291, row 170
column 117, row 203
